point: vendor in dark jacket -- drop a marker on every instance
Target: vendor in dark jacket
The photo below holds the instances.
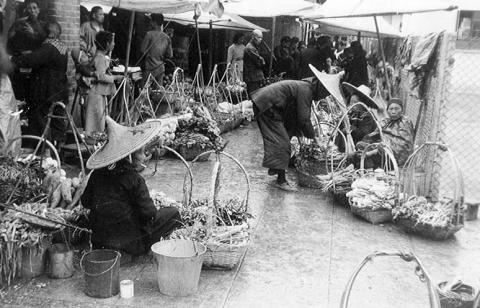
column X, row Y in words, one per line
column 282, row 110
column 122, row 214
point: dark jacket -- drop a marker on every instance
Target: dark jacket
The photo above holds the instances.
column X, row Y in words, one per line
column 310, row 56
column 293, row 100
column 252, row 63
column 285, row 63
column 49, row 74
column 356, row 71
column 120, row 208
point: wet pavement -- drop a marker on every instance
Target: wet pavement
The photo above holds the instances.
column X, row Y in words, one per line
column 304, row 249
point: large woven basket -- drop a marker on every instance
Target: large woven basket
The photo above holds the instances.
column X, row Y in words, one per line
column 224, row 256
column 377, row 215
column 410, row 187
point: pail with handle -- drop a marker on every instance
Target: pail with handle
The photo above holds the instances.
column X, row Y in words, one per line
column 101, row 269
column 61, row 261
column 179, row 263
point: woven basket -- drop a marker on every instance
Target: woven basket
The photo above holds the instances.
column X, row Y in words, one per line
column 377, row 216
column 306, row 179
column 428, row 231
column 224, row 256
column 461, row 296
column 457, row 212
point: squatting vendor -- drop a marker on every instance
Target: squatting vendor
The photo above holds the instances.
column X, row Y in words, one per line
column 122, row 214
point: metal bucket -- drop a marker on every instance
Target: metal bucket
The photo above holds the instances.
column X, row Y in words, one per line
column 61, row 261
column 179, row 263
column 101, row 269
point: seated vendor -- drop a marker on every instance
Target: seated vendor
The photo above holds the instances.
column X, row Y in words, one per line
column 122, row 214
column 398, row 133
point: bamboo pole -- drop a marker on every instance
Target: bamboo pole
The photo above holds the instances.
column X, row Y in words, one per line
column 274, row 19
column 382, row 52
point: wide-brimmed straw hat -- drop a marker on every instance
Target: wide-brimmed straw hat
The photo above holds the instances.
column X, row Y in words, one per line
column 123, row 141
column 331, row 82
column 363, row 93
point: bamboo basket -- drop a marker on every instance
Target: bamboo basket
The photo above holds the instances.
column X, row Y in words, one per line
column 194, row 152
column 380, row 215
column 457, row 212
column 307, row 170
column 221, row 255
column 420, row 271
column 339, row 191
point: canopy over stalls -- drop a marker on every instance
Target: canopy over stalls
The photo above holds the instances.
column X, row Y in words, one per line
column 351, row 26
column 265, row 8
column 150, row 6
column 363, row 8
column 227, row 21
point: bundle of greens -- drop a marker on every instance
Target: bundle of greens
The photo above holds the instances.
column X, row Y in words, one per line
column 421, row 211
column 30, row 180
column 338, row 181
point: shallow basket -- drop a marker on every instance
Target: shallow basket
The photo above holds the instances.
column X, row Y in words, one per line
column 377, row 216
column 307, row 180
column 224, row 256
column 463, row 296
column 434, row 233
column 190, row 153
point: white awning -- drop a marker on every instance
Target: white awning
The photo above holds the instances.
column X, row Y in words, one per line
column 362, row 8
column 265, row 8
column 351, row 26
column 227, row 21
column 150, row 6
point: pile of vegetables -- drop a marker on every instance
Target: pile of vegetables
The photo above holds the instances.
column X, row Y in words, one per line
column 373, row 192
column 200, row 130
column 231, row 223
column 315, row 152
column 338, row 181
column 422, row 211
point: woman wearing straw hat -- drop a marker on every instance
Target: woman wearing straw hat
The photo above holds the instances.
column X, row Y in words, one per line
column 283, row 110
column 122, row 214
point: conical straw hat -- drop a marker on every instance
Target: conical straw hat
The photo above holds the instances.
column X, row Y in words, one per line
column 123, row 141
column 331, row 82
column 364, row 94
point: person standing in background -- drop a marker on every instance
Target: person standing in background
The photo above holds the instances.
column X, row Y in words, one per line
column 48, row 84
column 284, row 61
column 235, row 56
column 253, row 63
column 96, row 102
column 25, row 36
column 155, row 48
column 310, row 55
column 356, row 71
column 89, row 29
column 295, row 54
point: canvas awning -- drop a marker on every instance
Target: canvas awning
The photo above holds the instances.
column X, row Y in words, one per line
column 363, row 8
column 227, row 21
column 351, row 26
column 265, row 8
column 150, row 6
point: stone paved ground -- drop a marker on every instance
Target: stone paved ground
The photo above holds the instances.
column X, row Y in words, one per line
column 303, row 252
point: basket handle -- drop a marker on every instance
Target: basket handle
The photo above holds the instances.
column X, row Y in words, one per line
column 420, row 271
column 389, row 154
column 187, row 189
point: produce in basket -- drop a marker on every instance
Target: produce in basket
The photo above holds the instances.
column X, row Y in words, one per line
column 373, row 192
column 30, row 180
column 340, row 180
column 421, row 211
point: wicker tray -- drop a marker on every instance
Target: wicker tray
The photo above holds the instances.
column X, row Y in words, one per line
column 373, row 216
column 307, row 180
column 434, row 233
column 224, row 256
column 189, row 153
